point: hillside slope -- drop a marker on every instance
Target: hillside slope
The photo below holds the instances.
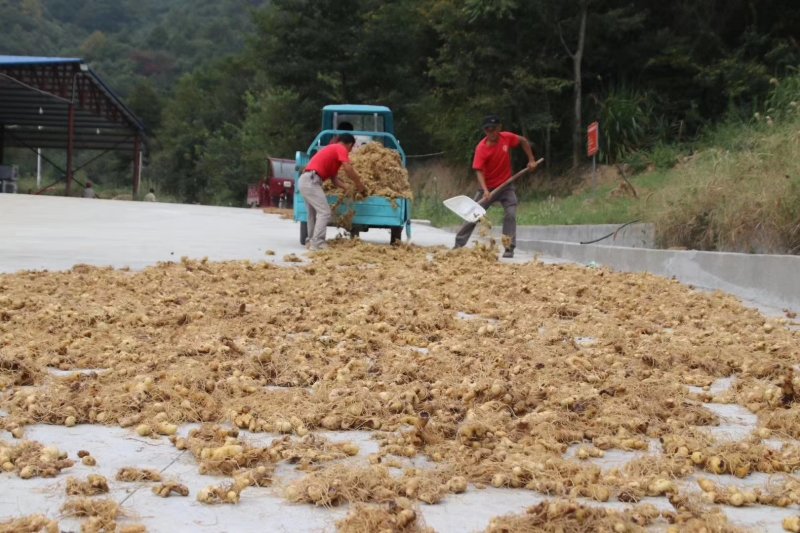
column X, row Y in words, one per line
column 128, row 41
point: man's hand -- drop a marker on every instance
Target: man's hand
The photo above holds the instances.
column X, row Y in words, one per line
column 532, row 164
column 355, row 178
column 486, row 195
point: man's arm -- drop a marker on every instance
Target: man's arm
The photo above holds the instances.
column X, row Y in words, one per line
column 526, row 147
column 482, row 183
column 353, row 175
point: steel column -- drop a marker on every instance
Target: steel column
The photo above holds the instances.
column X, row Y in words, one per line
column 137, row 165
column 70, row 143
column 2, row 143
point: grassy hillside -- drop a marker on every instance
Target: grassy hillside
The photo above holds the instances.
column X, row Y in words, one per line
column 736, row 189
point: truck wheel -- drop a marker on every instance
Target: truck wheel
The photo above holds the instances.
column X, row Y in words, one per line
column 303, row 233
column 397, row 234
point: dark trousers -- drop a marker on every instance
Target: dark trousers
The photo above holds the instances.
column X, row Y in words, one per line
column 508, row 199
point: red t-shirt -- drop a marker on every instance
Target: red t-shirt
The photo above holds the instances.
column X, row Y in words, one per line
column 495, row 160
column 327, row 161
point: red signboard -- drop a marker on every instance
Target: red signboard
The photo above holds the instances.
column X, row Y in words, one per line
column 592, row 139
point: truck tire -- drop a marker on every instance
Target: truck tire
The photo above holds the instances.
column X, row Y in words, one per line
column 303, row 233
column 397, row 234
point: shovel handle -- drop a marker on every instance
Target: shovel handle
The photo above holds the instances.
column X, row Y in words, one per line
column 506, row 183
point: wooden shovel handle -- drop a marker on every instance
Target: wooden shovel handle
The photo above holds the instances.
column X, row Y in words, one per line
column 506, row 183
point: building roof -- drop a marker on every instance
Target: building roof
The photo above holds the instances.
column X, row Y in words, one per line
column 356, row 108
column 35, row 95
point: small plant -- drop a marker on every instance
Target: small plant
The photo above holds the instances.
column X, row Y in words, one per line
column 626, row 118
column 664, row 156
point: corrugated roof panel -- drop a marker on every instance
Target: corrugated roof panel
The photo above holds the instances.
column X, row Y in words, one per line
column 33, row 60
column 35, row 93
column 356, row 108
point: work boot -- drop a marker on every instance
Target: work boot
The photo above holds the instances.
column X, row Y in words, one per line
column 508, row 253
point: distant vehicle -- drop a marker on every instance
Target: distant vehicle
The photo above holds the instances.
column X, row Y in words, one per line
column 367, row 123
column 277, row 189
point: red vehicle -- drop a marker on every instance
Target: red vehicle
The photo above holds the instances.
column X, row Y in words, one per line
column 277, row 189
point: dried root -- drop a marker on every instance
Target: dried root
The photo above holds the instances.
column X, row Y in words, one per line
column 219, row 451
column 132, row 528
column 555, row 356
column 31, row 459
column 19, row 371
column 339, row 484
column 791, row 523
column 102, row 514
column 30, row 524
column 165, row 490
column 397, row 515
column 95, row 484
column 261, row 476
column 779, row 492
column 738, row 459
column 228, row 493
column 560, row 515
column 381, row 171
column 131, row 475
column 694, row 515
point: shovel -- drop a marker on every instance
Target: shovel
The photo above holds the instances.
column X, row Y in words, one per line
column 472, row 211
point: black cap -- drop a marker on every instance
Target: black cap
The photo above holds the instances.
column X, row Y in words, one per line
column 491, row 120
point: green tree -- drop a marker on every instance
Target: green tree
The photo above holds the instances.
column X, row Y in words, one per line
column 205, row 106
column 514, row 67
column 145, row 102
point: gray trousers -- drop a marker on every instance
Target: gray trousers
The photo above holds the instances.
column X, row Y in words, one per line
column 319, row 212
column 508, row 199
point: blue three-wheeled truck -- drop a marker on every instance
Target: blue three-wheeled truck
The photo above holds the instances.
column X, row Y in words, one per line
column 369, row 123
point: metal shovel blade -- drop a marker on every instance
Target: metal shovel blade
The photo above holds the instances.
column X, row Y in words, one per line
column 465, row 207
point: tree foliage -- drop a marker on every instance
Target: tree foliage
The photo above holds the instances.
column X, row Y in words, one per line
column 223, row 85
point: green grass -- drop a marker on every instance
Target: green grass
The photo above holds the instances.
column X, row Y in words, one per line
column 587, row 207
column 591, row 207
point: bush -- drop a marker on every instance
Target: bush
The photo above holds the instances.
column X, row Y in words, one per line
column 664, row 156
column 625, row 118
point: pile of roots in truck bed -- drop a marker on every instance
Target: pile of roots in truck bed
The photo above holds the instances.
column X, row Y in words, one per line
column 492, row 372
column 381, row 170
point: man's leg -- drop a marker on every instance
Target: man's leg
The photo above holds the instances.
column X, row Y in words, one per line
column 303, row 185
column 466, row 230
column 317, row 202
column 508, row 199
column 310, row 223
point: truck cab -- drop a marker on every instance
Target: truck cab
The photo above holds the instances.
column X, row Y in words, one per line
column 370, row 123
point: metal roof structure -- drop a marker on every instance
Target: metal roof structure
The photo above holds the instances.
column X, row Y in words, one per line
column 59, row 102
column 356, row 108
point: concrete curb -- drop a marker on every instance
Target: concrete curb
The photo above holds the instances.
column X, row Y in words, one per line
column 637, row 235
column 771, row 280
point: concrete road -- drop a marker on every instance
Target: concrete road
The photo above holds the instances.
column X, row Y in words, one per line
column 55, row 233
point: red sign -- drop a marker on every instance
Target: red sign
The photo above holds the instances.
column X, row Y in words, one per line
column 592, row 139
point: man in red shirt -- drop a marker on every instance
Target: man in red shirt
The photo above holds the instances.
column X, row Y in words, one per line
column 324, row 166
column 492, row 165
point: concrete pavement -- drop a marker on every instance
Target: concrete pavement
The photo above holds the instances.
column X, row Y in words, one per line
column 55, row 233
